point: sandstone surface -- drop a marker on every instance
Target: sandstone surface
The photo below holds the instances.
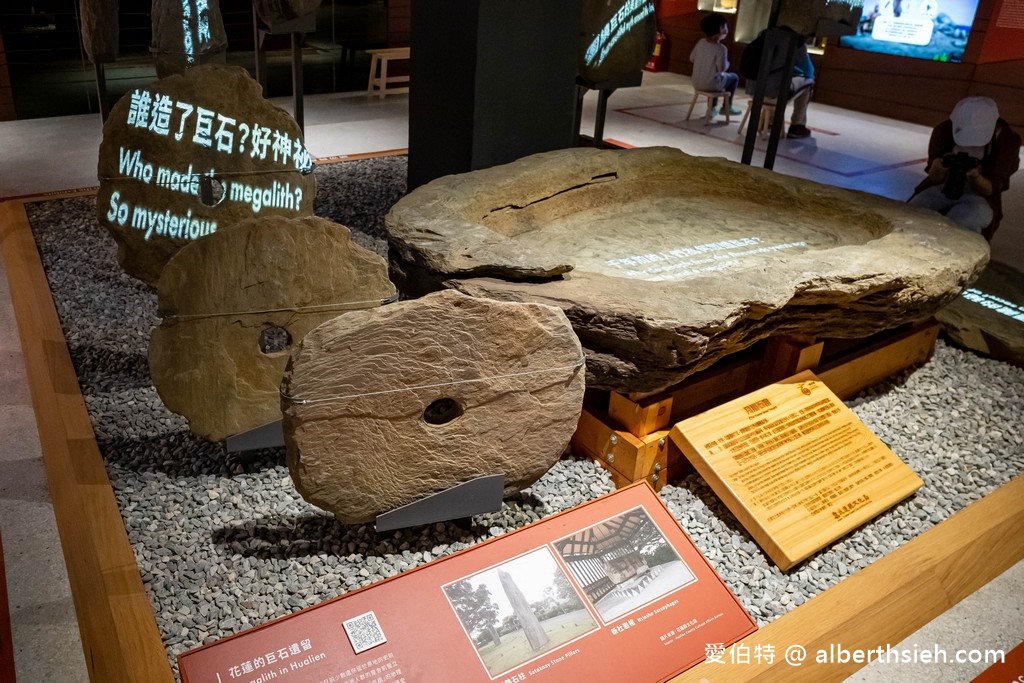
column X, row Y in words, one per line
column 989, row 316
column 186, row 34
column 99, row 30
column 234, row 303
column 206, row 132
column 385, row 407
column 664, row 263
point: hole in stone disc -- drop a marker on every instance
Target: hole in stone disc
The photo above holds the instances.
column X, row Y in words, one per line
column 211, row 190
column 274, row 339
column 442, row 411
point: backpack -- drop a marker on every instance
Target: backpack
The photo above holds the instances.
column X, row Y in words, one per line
column 750, row 59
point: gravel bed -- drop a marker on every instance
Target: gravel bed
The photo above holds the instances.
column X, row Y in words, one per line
column 224, row 542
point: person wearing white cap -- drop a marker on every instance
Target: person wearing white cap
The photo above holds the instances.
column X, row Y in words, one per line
column 971, row 157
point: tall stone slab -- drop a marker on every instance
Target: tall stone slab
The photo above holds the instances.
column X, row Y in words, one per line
column 192, row 154
column 491, row 81
column 235, row 303
column 186, row 34
column 665, row 263
column 99, row 30
column 386, row 407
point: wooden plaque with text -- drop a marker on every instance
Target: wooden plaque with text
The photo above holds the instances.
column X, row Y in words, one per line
column 795, row 465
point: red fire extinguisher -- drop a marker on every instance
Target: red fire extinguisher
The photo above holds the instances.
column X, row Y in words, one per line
column 658, row 59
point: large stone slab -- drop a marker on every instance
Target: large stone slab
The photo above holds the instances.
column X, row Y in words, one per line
column 665, row 263
column 233, row 305
column 989, row 316
column 386, row 407
column 208, row 131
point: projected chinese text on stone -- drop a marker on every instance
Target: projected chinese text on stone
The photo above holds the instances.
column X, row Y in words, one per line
column 618, row 38
column 628, row 16
column 192, row 154
column 187, row 33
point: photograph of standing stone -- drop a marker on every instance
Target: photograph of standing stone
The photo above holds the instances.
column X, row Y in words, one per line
column 385, row 407
column 234, row 303
column 193, row 154
column 515, row 612
column 665, row 263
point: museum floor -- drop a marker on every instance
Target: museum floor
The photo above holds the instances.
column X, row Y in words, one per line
column 38, row 156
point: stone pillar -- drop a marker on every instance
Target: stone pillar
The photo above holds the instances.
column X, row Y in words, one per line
column 187, row 33
column 535, row 634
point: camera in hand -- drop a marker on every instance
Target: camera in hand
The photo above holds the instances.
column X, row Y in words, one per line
column 956, row 180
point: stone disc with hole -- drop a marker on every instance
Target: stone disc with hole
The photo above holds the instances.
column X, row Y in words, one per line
column 192, row 154
column 385, row 407
column 232, row 305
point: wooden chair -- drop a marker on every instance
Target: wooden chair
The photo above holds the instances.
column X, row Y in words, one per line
column 710, row 97
column 764, row 122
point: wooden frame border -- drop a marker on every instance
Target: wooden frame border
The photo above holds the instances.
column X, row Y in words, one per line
column 878, row 605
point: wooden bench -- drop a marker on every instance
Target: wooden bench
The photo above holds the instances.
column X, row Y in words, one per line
column 379, row 63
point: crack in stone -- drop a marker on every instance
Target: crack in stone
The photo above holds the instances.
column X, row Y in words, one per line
column 601, row 178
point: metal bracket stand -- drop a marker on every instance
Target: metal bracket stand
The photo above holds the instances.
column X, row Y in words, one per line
column 775, row 40
column 604, row 91
column 270, row 435
column 474, row 497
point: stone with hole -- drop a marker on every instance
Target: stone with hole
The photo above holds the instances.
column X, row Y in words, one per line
column 236, row 302
column 385, row 407
column 193, row 154
column 666, row 263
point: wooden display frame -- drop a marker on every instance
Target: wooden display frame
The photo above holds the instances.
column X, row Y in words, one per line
column 618, row 424
column 883, row 603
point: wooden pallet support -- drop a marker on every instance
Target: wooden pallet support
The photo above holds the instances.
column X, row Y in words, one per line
column 627, row 457
column 621, row 438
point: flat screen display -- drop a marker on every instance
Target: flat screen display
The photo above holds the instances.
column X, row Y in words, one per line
column 923, row 29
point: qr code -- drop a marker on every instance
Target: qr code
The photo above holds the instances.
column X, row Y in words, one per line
column 364, row 632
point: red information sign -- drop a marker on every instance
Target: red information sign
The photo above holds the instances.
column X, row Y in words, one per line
column 610, row 590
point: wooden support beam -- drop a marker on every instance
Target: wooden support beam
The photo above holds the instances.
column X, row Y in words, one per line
column 849, row 375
